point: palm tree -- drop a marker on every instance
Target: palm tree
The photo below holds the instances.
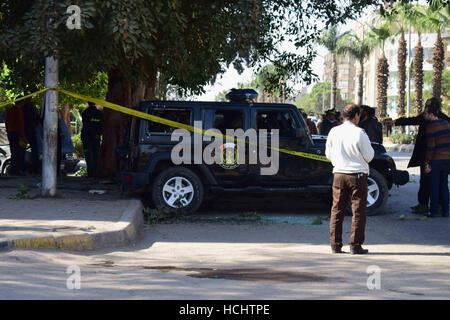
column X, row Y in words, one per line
column 380, row 35
column 329, row 40
column 437, row 19
column 360, row 49
column 398, row 18
column 418, row 14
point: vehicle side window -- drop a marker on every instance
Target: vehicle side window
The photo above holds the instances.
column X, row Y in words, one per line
column 281, row 120
column 223, row 119
column 178, row 115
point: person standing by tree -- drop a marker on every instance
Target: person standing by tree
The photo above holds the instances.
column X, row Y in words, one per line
column 349, row 149
column 31, row 121
column 14, row 123
column 90, row 136
column 437, row 159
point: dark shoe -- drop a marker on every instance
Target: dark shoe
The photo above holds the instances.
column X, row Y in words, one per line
column 429, row 215
column 358, row 250
column 336, row 249
column 420, row 209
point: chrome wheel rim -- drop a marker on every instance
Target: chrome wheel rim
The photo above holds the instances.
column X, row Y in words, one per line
column 178, row 192
column 373, row 192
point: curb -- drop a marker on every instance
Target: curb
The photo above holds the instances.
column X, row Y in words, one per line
column 407, row 148
column 125, row 232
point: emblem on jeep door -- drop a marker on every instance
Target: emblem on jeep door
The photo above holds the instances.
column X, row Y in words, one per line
column 229, row 156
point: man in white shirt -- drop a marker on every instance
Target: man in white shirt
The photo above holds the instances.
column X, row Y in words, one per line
column 349, row 149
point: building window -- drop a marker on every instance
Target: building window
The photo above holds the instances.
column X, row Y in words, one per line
column 343, row 83
column 344, row 71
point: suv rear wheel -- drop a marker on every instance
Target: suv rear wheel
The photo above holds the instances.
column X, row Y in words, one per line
column 176, row 189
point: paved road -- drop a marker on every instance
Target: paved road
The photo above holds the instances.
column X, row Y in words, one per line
column 279, row 252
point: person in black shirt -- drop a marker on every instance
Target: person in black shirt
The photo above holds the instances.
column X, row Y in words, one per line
column 90, row 136
column 371, row 125
column 31, row 121
column 328, row 122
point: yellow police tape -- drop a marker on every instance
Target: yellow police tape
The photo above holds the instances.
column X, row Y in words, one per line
column 157, row 119
column 23, row 98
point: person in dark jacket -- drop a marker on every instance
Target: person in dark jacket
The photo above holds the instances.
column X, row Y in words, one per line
column 371, row 125
column 328, row 122
column 90, row 136
column 419, row 152
column 31, row 121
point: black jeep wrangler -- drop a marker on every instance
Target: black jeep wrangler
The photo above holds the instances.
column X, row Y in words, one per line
column 148, row 157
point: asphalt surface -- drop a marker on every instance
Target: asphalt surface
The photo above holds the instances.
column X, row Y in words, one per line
column 251, row 248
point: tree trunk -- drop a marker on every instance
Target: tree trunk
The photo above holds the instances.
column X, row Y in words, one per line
column 418, row 77
column 333, row 82
column 150, row 88
column 401, row 60
column 438, row 66
column 114, row 123
column 382, row 85
column 360, row 82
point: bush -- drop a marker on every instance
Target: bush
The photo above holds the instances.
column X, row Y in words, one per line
column 78, row 145
column 403, row 138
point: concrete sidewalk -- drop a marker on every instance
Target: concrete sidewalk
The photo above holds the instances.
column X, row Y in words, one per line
column 75, row 220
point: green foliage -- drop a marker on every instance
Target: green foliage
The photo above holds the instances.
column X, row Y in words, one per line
column 319, row 220
column 159, row 215
column 95, row 87
column 250, row 214
column 81, row 173
column 359, row 48
column 318, row 100
column 78, row 145
column 186, row 42
column 380, row 34
column 403, row 138
column 330, row 39
column 428, row 80
column 22, row 193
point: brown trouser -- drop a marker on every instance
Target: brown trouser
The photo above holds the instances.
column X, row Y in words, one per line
column 348, row 187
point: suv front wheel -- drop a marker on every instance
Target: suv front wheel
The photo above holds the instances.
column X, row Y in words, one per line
column 178, row 189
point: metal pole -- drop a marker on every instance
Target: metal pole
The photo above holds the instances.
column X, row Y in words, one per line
column 50, row 140
column 409, row 77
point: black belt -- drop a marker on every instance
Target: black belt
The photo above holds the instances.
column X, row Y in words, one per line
column 358, row 174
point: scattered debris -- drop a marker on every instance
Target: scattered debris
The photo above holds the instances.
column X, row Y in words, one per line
column 96, row 191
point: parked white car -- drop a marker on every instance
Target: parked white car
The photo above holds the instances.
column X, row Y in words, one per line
column 5, row 152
